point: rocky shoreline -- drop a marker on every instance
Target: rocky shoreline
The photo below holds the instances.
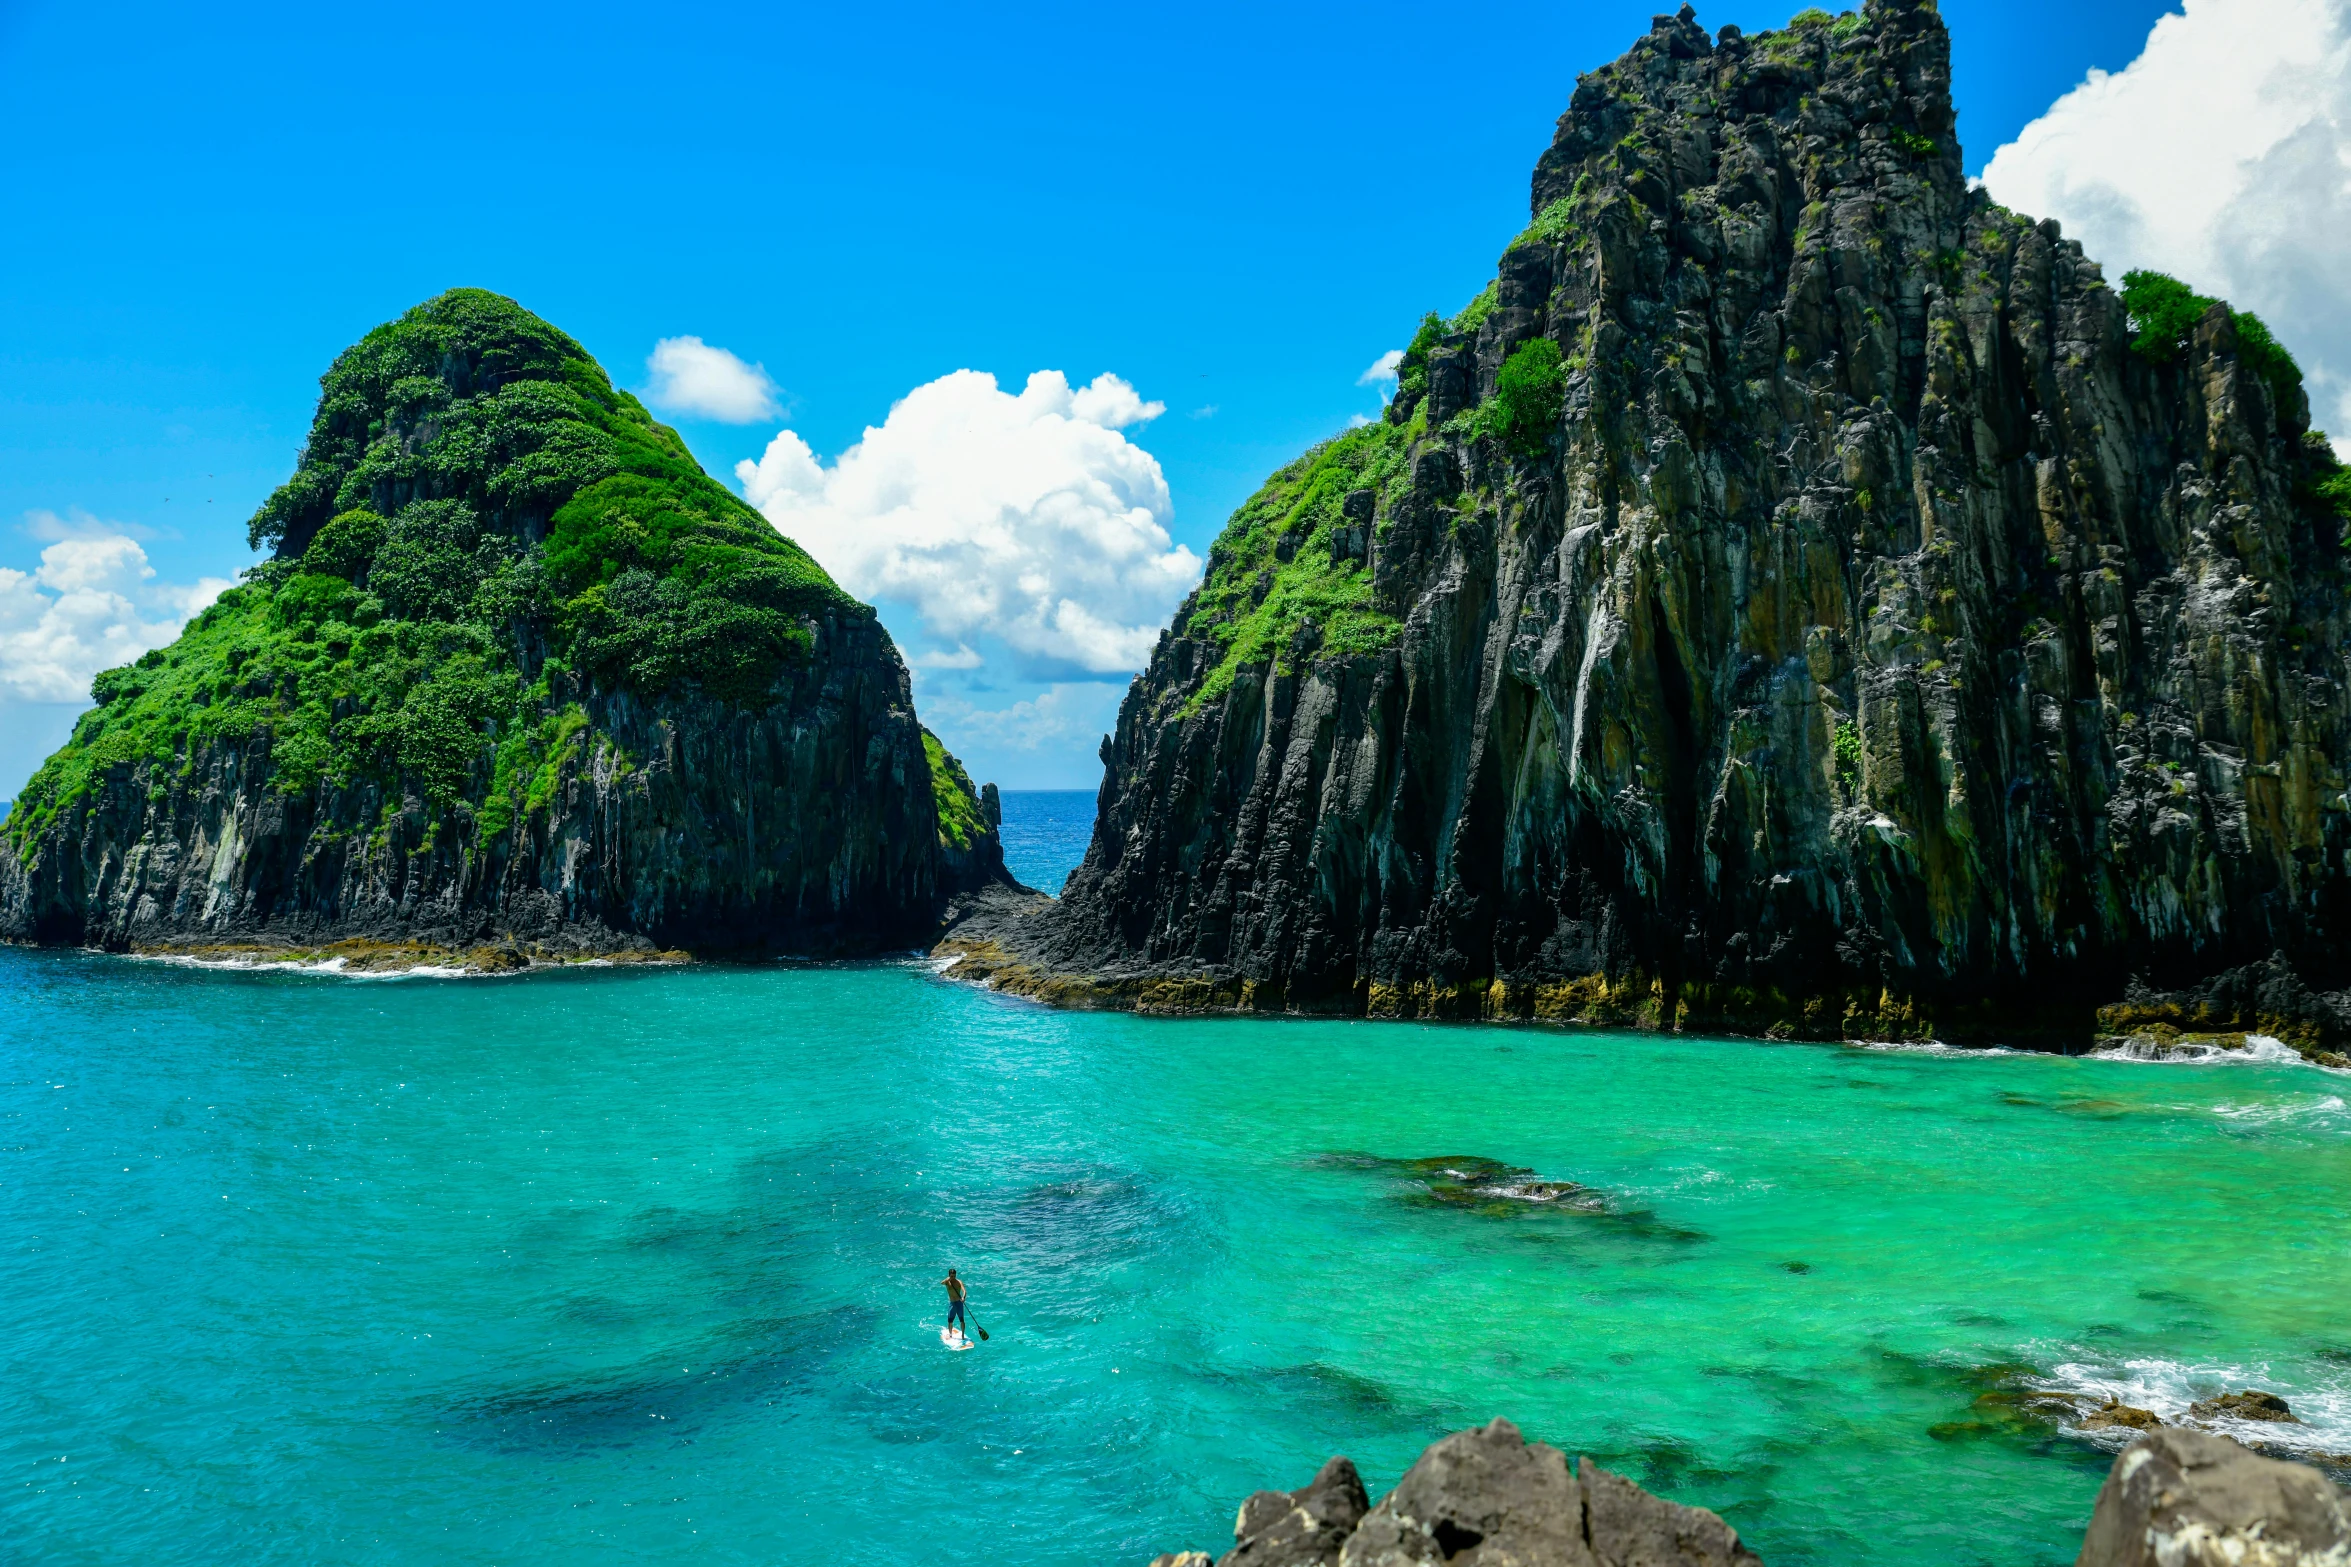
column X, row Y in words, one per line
column 1487, row 1497
column 1014, row 940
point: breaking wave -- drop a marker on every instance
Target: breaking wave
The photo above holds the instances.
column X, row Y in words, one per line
column 2321, row 1403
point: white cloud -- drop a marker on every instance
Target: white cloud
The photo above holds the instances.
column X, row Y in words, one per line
column 92, row 603
column 2222, row 155
column 694, row 379
column 1052, row 719
column 76, row 523
column 1028, row 518
column 1384, row 368
column 1204, row 411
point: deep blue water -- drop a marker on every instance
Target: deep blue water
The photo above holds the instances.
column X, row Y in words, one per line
column 1045, row 833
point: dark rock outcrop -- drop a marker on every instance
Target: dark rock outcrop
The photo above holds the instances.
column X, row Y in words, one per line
column 679, row 823
column 2114, row 1413
column 1479, row 1498
column 1878, row 641
column 2252, row 1404
column 1488, row 1498
column 521, row 682
column 1301, row 1528
column 2180, row 1498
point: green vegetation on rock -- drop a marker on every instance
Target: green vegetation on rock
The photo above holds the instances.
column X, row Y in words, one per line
column 1473, row 315
column 1554, row 223
column 961, row 822
column 2164, row 312
column 1255, row 600
column 1530, row 390
column 1412, row 376
column 478, row 513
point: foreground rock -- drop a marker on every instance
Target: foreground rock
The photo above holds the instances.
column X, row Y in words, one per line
column 1479, row 1498
column 1489, row 1498
column 2180, row 1498
column 520, row 682
column 1799, row 597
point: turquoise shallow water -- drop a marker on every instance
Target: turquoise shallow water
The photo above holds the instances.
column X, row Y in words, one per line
column 637, row 1266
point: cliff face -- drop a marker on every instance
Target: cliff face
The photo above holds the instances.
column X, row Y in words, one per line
column 1798, row 596
column 520, row 678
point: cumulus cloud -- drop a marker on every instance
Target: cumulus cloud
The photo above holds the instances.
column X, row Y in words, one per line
column 1060, row 716
column 1031, row 518
column 1384, row 368
column 75, row 523
column 2222, row 155
column 696, row 380
column 92, row 603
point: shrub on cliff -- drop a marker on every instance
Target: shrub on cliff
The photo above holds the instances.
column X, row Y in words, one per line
column 1529, row 392
column 2164, row 312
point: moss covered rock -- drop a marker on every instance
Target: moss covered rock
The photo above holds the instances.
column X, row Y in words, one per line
column 518, row 668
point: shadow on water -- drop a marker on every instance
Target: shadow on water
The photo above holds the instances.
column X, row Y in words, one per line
column 1491, row 1189
column 1317, row 1396
column 1061, row 1217
column 658, row 1404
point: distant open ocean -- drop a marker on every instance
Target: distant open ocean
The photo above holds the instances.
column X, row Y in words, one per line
column 1045, row 834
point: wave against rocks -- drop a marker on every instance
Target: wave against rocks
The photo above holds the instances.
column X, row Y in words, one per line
column 1798, row 597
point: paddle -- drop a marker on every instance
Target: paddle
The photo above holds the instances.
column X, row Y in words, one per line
column 976, row 1328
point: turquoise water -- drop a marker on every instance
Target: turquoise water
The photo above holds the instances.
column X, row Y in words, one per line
column 637, row 1266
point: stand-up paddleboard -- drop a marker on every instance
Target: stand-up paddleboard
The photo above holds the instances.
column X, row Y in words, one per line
column 953, row 1338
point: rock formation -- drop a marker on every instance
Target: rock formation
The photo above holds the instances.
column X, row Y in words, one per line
column 1488, row 1498
column 520, row 680
column 1479, row 1498
column 2179, row 1498
column 1799, row 596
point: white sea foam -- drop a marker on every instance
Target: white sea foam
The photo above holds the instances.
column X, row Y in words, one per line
column 2330, row 1108
column 1933, row 1047
column 339, row 968
column 2259, row 1050
column 2320, row 1399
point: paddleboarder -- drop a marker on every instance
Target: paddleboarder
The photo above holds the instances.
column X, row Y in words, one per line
column 955, row 1293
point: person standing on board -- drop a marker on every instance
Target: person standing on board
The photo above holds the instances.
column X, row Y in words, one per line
column 955, row 1292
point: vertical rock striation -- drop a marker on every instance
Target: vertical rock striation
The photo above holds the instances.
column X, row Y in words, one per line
column 1785, row 601
column 521, row 679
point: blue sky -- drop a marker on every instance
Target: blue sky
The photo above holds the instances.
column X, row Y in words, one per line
column 1229, row 207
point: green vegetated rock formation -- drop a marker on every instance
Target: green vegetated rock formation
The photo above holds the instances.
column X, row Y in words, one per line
column 1797, row 596
column 519, row 679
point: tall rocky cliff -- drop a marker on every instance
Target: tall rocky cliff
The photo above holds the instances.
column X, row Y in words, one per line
column 520, row 679
column 1798, row 596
